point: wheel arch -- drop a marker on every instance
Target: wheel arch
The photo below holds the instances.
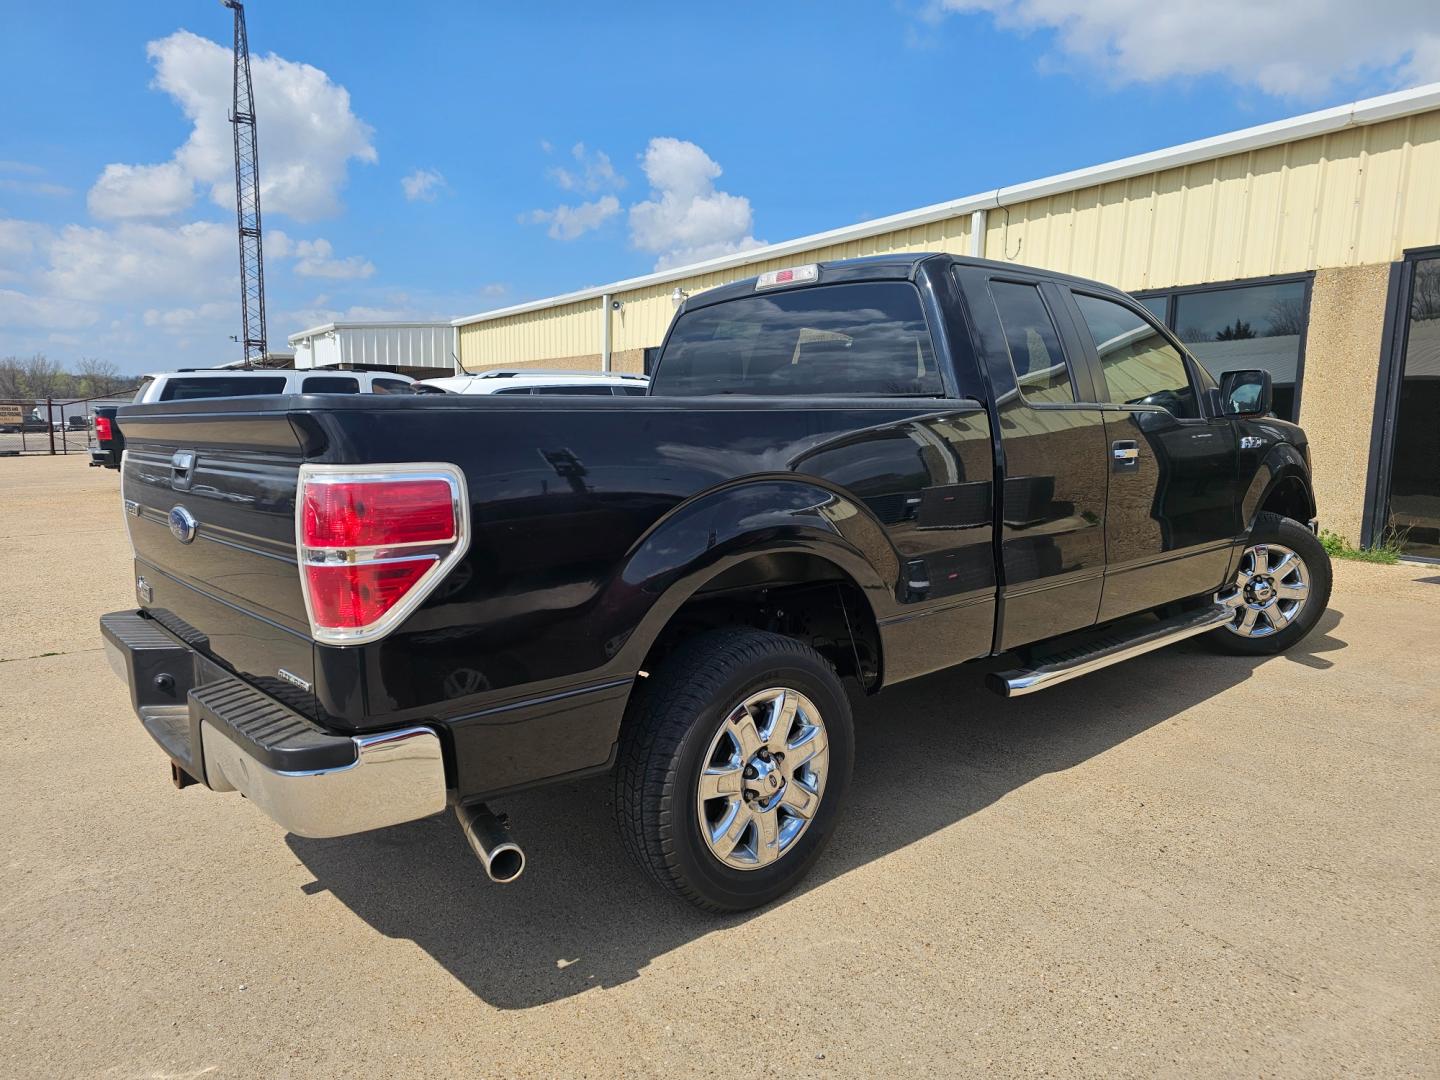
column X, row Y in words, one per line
column 1281, row 485
column 774, row 538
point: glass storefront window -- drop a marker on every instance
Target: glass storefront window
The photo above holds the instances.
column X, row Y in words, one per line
column 1242, row 326
column 1254, row 326
column 1415, row 465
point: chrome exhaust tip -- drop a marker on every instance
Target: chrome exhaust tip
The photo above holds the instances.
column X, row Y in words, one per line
column 489, row 837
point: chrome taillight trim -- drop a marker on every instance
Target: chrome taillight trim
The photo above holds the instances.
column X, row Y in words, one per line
column 447, row 552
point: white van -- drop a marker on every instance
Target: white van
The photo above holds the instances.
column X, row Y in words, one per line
column 522, row 381
column 189, row 385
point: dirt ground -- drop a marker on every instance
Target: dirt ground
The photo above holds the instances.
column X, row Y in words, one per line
column 1188, row 865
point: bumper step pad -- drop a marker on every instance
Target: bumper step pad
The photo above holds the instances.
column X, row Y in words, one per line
column 268, row 731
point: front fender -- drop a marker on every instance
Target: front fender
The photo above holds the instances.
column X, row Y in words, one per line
column 719, row 529
column 1282, row 464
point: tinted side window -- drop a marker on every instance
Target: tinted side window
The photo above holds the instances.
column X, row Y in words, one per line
column 239, row 386
column 514, row 390
column 1139, row 366
column 595, row 391
column 389, row 386
column 629, row 391
column 330, row 384
column 1035, row 353
column 865, row 339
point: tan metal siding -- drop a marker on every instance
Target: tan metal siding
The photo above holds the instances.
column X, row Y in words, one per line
column 1353, row 197
column 571, row 330
column 1349, row 198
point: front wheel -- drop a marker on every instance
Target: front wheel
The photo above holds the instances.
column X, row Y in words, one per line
column 734, row 760
column 1279, row 591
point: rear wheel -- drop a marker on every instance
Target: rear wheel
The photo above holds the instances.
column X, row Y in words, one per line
column 1279, row 590
column 734, row 760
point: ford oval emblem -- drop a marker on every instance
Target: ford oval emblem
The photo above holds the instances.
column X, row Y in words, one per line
column 183, row 524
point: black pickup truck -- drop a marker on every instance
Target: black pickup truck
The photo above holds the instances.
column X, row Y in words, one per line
column 359, row 611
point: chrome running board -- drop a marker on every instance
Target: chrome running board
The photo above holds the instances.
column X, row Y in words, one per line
column 1111, row 649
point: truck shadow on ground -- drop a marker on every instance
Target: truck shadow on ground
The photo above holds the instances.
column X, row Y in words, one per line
column 585, row 916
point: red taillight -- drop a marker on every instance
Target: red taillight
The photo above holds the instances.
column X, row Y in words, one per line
column 352, row 514
column 352, row 595
column 373, row 543
column 102, row 429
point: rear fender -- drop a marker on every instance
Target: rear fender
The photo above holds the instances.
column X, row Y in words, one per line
column 718, row 530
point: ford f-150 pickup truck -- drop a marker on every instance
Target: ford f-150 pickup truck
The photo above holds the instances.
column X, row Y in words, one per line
column 359, row 611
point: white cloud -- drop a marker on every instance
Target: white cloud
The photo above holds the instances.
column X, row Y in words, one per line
column 1293, row 48
column 314, row 258
column 686, row 219
column 308, row 135
column 22, row 311
column 423, row 185
column 569, row 222
column 593, row 172
column 21, row 240
column 33, row 187
column 135, row 262
column 140, row 191
column 179, row 320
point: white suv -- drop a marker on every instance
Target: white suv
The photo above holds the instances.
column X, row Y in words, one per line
column 188, row 385
column 521, row 381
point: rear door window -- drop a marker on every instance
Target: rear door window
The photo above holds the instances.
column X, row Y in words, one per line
column 183, row 389
column 390, row 386
column 866, row 339
column 1035, row 353
column 596, row 391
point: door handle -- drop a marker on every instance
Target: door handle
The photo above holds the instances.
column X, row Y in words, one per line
column 1124, row 450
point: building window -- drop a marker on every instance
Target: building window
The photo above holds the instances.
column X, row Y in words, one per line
column 1243, row 325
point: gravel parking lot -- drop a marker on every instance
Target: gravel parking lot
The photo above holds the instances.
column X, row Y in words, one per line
column 1187, row 865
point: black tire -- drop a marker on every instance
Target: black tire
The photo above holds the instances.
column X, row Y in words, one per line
column 672, row 720
column 1274, row 529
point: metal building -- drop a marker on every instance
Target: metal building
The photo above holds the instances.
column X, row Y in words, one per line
column 1309, row 246
column 423, row 350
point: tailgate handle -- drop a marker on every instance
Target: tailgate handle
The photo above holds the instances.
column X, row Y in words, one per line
column 181, row 463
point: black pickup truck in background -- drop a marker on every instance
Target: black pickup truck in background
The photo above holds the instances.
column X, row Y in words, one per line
column 359, row 611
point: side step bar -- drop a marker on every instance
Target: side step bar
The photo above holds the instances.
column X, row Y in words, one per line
column 1118, row 646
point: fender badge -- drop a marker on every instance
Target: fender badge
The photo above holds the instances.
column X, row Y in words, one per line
column 293, row 679
column 183, row 524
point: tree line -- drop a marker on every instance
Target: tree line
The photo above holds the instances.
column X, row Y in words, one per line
column 38, row 377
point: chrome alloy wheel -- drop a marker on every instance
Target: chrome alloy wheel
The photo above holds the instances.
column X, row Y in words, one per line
column 1269, row 591
column 763, row 778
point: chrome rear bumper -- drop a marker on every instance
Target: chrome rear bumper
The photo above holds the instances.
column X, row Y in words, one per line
column 398, row 776
column 218, row 729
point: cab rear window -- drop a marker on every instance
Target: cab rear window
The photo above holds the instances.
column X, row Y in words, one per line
column 222, row 386
column 865, row 339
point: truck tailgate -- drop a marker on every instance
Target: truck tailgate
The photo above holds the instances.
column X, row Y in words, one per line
column 210, row 505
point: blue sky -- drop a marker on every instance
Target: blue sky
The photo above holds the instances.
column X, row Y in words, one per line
column 434, row 161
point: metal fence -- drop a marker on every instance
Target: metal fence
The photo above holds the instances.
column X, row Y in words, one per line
column 48, row 426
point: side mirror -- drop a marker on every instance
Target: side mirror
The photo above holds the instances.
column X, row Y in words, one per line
column 1246, row 393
